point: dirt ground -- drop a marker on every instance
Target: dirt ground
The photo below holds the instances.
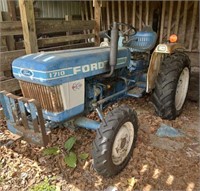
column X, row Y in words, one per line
column 157, row 163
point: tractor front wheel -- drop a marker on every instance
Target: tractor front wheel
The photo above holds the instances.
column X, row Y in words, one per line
column 171, row 85
column 115, row 141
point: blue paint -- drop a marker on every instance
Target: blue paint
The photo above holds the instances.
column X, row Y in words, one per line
column 65, row 115
column 66, row 66
column 87, row 123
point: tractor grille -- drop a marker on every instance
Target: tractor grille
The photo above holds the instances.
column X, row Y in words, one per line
column 49, row 97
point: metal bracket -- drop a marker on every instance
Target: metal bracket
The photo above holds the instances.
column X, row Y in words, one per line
column 15, row 109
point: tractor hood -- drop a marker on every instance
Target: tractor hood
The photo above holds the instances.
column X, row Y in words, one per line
column 58, row 67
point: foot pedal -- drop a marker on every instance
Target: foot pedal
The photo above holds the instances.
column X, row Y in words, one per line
column 136, row 92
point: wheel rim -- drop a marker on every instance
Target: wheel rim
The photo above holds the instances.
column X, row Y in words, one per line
column 122, row 143
column 182, row 88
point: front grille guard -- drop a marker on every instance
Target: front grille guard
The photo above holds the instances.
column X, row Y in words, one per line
column 29, row 125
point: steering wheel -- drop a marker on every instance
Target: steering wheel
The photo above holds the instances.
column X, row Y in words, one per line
column 127, row 32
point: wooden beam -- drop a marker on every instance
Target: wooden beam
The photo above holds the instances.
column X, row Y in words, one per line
column 126, row 13
column 53, row 26
column 140, row 15
column 28, row 25
column 120, row 13
column 10, row 41
column 162, row 21
column 108, row 14
column 134, row 13
column 7, row 58
column 147, row 13
column 12, row 9
column 8, row 28
column 113, row 11
column 194, row 16
column 71, row 46
column 178, row 12
column 184, row 21
column 44, row 42
column 171, row 6
column 10, row 85
column 97, row 17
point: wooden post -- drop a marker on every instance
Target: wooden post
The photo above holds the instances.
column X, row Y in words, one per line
column 171, row 6
column 147, row 13
column 134, row 14
column 162, row 21
column 185, row 11
column 140, row 15
column 108, row 14
column 28, row 25
column 120, row 13
column 177, row 17
column 12, row 10
column 194, row 16
column 97, row 17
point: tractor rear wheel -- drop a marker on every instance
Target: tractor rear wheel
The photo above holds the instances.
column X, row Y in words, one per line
column 171, row 86
column 115, row 141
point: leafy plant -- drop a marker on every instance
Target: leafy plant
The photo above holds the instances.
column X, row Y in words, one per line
column 70, row 143
column 44, row 186
column 71, row 160
column 51, row 151
column 83, row 156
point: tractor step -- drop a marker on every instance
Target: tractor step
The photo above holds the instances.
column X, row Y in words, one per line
column 136, row 92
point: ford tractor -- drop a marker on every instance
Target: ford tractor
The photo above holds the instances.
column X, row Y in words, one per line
column 65, row 86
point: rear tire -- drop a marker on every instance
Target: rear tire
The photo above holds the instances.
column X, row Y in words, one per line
column 171, row 86
column 115, row 141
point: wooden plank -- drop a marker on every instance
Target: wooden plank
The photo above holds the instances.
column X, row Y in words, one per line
column 140, row 15
column 134, row 14
column 9, row 28
column 194, row 16
column 44, row 42
column 119, row 13
column 86, row 13
column 126, row 13
column 72, row 46
column 147, row 13
column 177, row 17
column 171, row 6
column 10, row 85
column 7, row 58
column 162, row 21
column 12, row 10
column 184, row 21
column 28, row 26
column 91, row 11
column 108, row 14
column 52, row 26
column 10, row 41
column 97, row 17
column 113, row 11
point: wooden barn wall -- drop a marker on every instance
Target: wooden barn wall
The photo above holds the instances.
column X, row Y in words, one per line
column 166, row 18
column 57, row 9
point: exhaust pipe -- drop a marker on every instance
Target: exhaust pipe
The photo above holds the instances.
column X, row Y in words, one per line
column 113, row 49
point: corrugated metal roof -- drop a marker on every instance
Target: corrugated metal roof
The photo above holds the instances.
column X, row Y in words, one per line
column 57, row 9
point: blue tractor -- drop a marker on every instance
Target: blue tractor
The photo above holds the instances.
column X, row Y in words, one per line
column 64, row 86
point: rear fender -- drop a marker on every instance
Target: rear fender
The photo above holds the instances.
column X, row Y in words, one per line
column 156, row 59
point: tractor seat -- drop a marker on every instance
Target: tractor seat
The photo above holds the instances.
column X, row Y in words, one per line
column 143, row 40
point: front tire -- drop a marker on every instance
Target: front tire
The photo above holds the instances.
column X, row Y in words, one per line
column 171, row 86
column 115, row 141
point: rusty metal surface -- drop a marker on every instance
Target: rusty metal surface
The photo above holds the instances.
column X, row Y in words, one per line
column 49, row 97
column 33, row 129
